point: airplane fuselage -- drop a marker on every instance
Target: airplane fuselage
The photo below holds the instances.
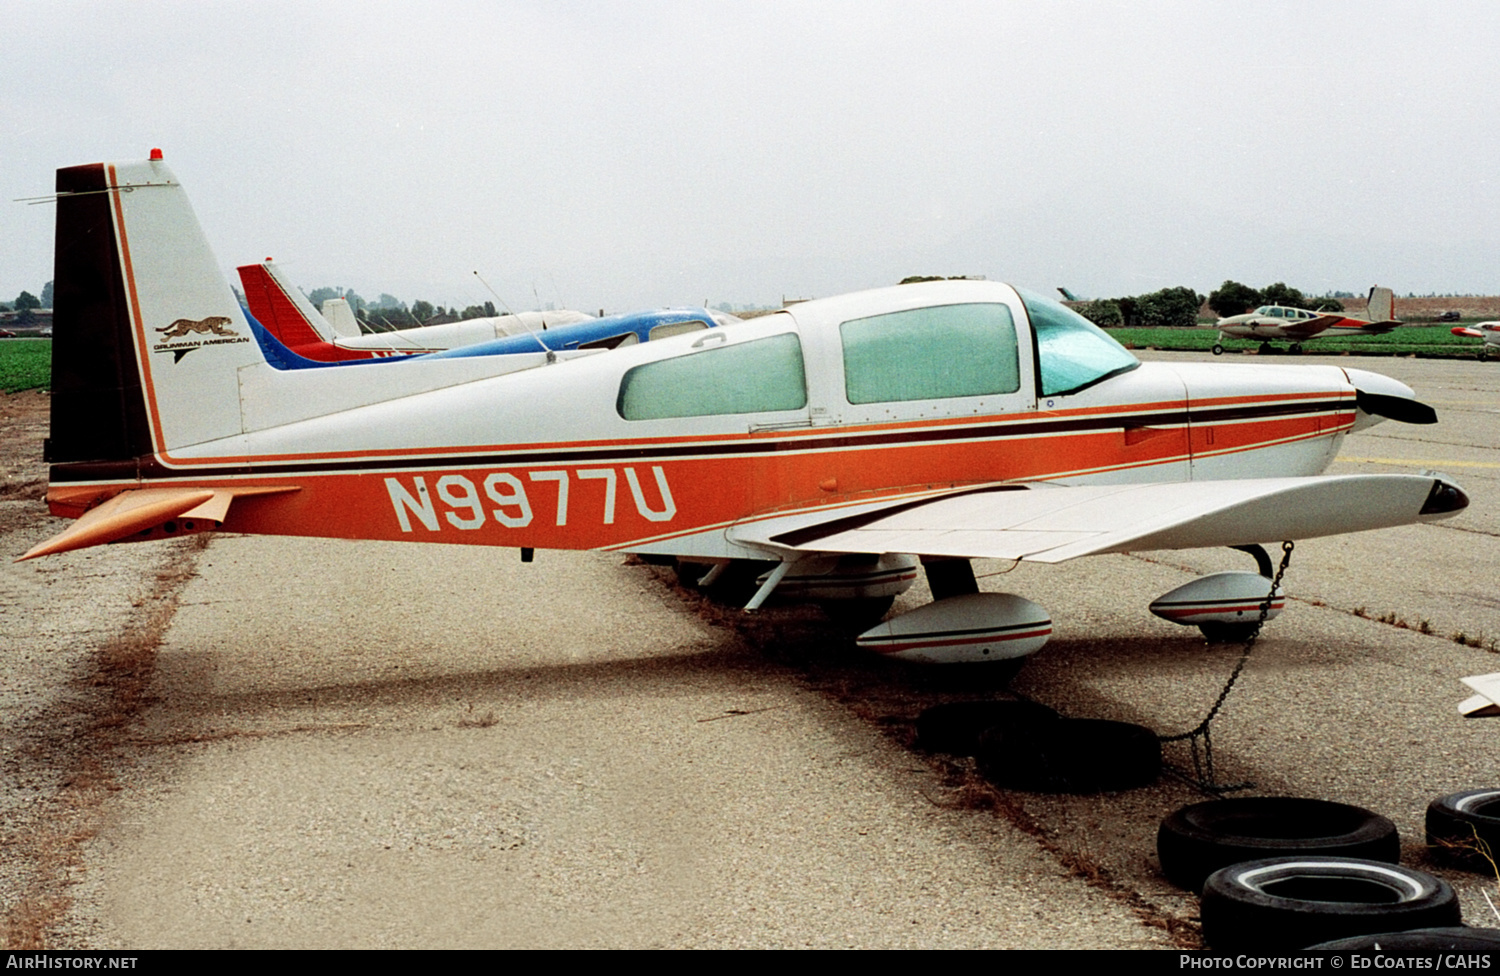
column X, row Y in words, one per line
column 167, row 418
column 555, row 457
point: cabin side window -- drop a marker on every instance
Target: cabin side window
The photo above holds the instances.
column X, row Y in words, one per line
column 759, row 376
column 931, row 353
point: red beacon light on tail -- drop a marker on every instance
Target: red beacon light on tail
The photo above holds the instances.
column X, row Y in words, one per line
column 155, row 155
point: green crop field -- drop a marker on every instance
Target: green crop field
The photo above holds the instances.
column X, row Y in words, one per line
column 1407, row 340
column 25, row 364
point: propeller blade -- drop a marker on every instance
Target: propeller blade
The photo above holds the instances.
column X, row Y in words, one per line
column 1395, row 408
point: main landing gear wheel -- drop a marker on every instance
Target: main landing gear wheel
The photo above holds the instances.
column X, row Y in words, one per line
column 1465, row 827
column 1296, row 349
column 1070, row 755
column 1201, row 838
column 1265, row 349
column 1287, row 903
column 1218, row 349
column 857, row 615
column 956, row 727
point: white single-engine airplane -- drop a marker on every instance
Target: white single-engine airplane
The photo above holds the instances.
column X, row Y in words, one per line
column 1297, row 325
column 950, row 420
column 1488, row 331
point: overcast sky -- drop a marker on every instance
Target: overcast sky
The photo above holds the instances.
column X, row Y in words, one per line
column 623, row 155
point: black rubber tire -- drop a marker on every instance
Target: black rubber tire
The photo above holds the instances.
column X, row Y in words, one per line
column 857, row 615
column 1201, row 838
column 956, row 727
column 1070, row 755
column 1459, row 823
column 1288, row 903
column 1218, row 350
column 1458, row 939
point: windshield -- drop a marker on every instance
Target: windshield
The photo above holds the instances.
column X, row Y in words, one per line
column 1072, row 352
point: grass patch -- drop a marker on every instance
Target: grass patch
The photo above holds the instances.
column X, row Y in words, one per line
column 1408, row 340
column 25, row 364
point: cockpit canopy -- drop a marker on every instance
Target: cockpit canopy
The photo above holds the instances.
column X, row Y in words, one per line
column 1282, row 312
column 1072, row 352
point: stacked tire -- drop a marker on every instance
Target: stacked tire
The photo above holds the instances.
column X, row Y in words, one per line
column 1288, row 903
column 1464, row 829
column 1201, row 838
column 1284, row 873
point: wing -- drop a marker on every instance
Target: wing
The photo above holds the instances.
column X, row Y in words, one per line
column 1307, row 328
column 1371, row 328
column 1051, row 523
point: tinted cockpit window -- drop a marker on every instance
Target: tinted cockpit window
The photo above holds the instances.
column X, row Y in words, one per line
column 930, row 353
column 748, row 377
column 1072, row 352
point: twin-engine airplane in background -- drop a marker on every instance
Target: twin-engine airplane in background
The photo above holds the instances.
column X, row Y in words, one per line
column 1488, row 331
column 289, row 315
column 1297, row 325
column 836, row 439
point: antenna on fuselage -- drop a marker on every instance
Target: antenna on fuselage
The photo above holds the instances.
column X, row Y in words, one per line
column 551, row 356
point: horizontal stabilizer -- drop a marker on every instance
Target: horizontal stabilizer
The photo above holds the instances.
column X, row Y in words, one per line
column 1485, row 704
column 143, row 509
column 1052, row 523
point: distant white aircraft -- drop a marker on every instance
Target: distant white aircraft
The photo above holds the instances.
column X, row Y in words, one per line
column 334, row 334
column 1488, row 331
column 1297, row 325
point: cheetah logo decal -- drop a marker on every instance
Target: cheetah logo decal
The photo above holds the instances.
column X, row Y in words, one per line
column 213, row 324
column 213, row 329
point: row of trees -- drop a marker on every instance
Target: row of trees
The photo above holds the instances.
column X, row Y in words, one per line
column 1233, row 298
column 1168, row 307
column 388, row 311
column 26, row 301
column 1179, row 306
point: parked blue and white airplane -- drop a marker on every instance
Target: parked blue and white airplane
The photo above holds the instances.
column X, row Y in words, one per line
column 591, row 335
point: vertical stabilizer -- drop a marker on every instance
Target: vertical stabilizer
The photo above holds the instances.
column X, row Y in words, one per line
column 340, row 316
column 148, row 338
column 281, row 307
column 1382, row 305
